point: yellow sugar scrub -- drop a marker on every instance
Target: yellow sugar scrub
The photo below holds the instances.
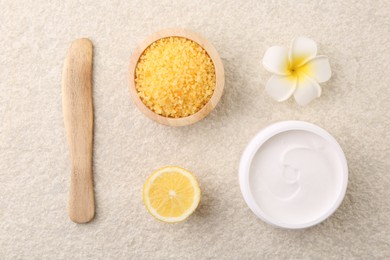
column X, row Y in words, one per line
column 175, row 77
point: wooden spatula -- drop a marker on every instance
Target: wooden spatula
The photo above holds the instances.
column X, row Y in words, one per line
column 78, row 115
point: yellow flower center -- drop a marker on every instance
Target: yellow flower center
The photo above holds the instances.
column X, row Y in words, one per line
column 296, row 68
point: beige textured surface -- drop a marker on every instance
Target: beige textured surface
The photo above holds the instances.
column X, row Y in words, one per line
column 34, row 163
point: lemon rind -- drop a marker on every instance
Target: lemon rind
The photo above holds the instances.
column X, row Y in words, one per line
column 189, row 211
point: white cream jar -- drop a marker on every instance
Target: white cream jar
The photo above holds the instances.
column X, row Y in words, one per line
column 293, row 174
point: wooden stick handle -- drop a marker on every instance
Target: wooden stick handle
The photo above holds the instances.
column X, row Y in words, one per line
column 78, row 115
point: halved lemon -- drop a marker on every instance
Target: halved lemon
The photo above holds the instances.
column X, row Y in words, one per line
column 171, row 194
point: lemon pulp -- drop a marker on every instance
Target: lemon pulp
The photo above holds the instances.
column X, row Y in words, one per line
column 171, row 194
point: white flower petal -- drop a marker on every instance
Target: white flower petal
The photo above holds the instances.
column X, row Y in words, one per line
column 281, row 87
column 275, row 60
column 307, row 90
column 302, row 50
column 318, row 68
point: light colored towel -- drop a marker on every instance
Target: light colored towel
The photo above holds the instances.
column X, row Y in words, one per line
column 34, row 159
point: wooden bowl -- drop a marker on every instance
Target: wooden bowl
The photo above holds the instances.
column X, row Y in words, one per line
column 219, row 82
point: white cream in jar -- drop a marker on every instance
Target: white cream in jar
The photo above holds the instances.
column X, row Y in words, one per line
column 293, row 174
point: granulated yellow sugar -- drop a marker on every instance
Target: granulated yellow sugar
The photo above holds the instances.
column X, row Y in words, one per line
column 175, row 77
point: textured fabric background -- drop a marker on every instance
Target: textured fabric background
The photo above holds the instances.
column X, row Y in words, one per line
column 34, row 159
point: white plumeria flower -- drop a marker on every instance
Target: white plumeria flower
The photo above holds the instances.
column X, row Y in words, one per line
column 297, row 72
